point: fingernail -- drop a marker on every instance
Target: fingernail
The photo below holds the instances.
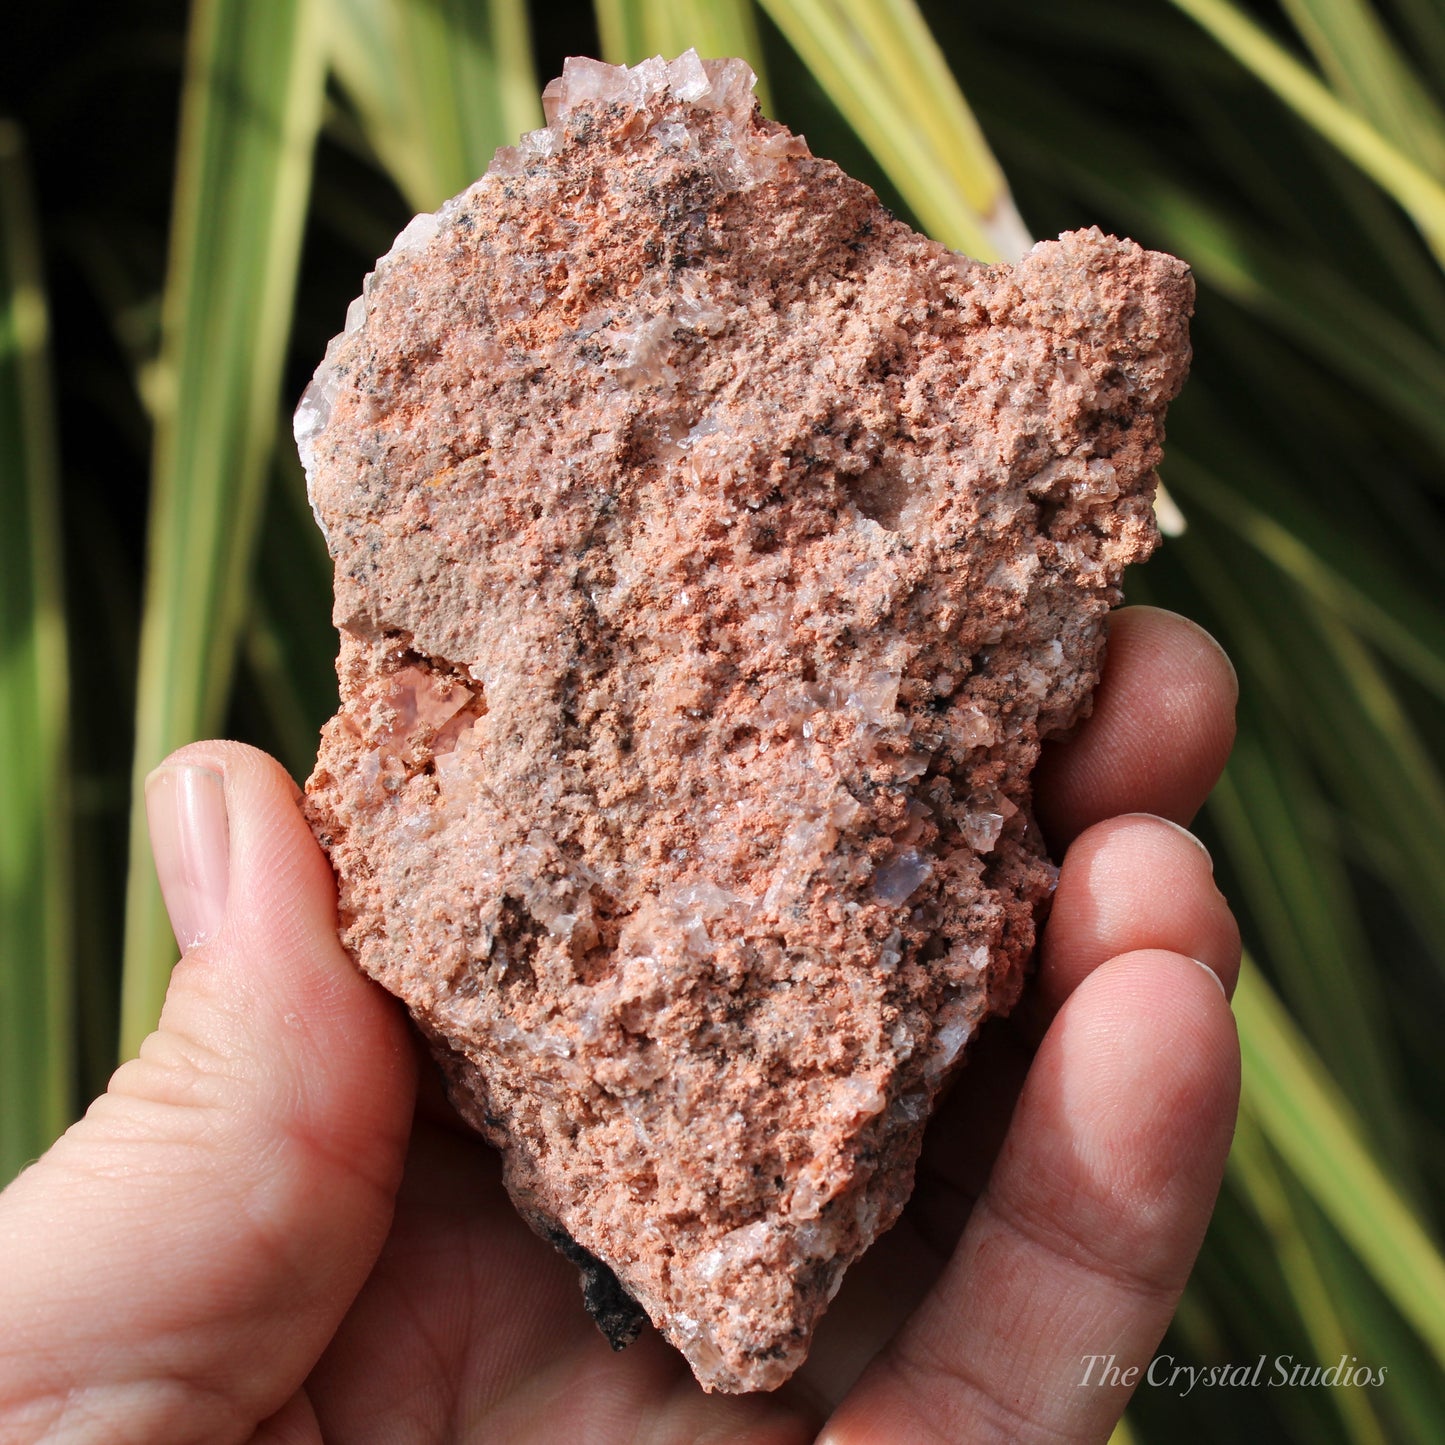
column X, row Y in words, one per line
column 1182, row 831
column 1218, row 982
column 186, row 811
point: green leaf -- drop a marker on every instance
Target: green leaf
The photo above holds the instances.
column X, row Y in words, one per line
column 1301, row 1112
column 1281, row 841
column 1253, row 1165
column 290, row 646
column 1123, row 1433
column 249, row 117
column 882, row 68
column 1426, row 24
column 1365, row 68
column 438, row 85
column 1328, row 695
column 1411, row 184
column 1341, row 574
column 36, row 903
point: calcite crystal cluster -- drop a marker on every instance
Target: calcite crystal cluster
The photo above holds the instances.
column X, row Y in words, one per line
column 712, row 553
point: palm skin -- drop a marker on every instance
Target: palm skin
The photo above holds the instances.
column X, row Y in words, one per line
column 242, row 1241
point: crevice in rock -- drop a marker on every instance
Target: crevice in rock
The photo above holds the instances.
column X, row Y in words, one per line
column 880, row 494
column 516, row 939
column 402, row 651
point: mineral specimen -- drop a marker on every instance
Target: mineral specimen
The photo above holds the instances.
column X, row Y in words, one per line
column 712, row 553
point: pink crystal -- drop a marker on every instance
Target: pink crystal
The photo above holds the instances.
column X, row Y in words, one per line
column 712, row 554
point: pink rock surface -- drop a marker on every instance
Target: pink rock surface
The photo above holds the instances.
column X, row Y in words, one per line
column 712, row 553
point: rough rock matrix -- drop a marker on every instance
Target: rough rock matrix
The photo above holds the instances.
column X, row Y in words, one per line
column 712, row 553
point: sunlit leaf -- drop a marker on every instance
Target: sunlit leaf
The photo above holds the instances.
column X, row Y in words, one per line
column 1366, row 68
column 1252, row 1163
column 36, row 906
column 1419, row 192
column 438, row 85
column 251, row 107
column 882, row 68
column 1318, row 1136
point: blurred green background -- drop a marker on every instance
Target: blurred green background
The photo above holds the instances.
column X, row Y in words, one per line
column 189, row 196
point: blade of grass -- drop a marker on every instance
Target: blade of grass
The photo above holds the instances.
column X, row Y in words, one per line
column 1123, row 1433
column 438, row 85
column 1327, row 693
column 1275, row 824
column 37, row 1065
column 1309, row 301
column 1314, row 1131
column 1360, row 589
column 905, row 52
column 1426, row 25
column 1330, row 209
column 1365, row 68
column 1298, row 439
column 1196, row 1323
column 1331, row 691
column 879, row 64
column 249, row 116
column 632, row 30
column 1412, row 186
column 623, row 30
column 1240, row 1274
column 1253, row 1166
column 1413, row 1404
column 1286, row 839
column 1400, row 798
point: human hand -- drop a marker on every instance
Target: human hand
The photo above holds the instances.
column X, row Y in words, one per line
column 263, row 1231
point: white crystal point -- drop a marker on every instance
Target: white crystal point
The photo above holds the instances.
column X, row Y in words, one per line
column 688, row 78
column 716, row 84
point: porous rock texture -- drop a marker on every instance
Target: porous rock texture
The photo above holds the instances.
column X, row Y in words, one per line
column 712, row 553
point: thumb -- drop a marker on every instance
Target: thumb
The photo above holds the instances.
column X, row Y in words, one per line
column 174, row 1266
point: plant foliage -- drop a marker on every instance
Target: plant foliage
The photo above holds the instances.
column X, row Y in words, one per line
column 1292, row 152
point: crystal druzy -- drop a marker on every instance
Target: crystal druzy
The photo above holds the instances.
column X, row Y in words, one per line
column 712, row 553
